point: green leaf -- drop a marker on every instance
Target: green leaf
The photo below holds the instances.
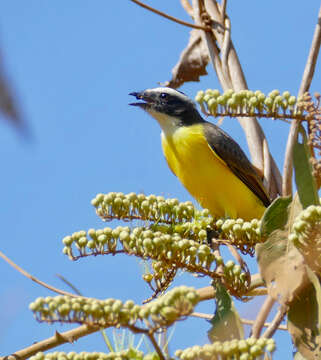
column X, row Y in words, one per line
column 226, row 322
column 304, row 180
column 275, row 216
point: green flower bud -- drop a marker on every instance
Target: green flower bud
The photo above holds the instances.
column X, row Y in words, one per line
column 246, row 356
column 117, row 305
column 237, row 270
column 299, row 226
column 221, row 100
column 243, row 345
column 293, row 238
column 274, row 93
column 169, row 313
column 255, row 350
column 229, row 265
column 292, row 100
column 148, row 277
column 286, row 95
column 82, row 242
column 199, row 96
column 268, row 102
column 251, row 341
column 91, row 244
column 207, row 97
column 67, row 240
column 270, row 347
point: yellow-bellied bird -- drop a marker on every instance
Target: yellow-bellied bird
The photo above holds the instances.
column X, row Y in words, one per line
column 208, row 162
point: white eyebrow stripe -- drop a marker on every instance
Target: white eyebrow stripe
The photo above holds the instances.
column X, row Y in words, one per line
column 171, row 92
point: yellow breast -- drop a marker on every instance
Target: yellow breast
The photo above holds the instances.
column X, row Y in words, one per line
column 207, row 177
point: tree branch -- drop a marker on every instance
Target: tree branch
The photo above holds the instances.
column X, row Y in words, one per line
column 231, row 76
column 304, row 87
column 31, row 277
column 52, row 342
column 244, row 321
column 169, row 17
column 261, row 317
column 275, row 324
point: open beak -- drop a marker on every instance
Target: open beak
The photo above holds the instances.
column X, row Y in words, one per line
column 141, row 96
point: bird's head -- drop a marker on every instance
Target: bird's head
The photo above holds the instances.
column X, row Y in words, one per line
column 166, row 103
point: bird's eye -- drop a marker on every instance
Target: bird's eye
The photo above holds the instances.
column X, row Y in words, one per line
column 163, row 95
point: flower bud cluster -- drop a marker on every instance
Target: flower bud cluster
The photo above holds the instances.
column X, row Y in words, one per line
column 143, row 242
column 306, row 235
column 161, row 276
column 161, row 312
column 247, row 102
column 248, row 349
column 307, row 226
column 139, row 206
column 128, row 354
column 243, row 234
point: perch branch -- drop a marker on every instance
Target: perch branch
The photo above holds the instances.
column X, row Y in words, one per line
column 261, row 317
column 52, row 342
column 169, row 17
column 304, row 87
column 244, row 321
column 212, row 48
column 233, row 78
column 275, row 324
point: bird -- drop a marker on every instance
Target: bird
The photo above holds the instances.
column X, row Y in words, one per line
column 207, row 161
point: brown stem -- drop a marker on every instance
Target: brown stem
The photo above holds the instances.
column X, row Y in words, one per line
column 169, row 17
column 304, row 87
column 212, row 48
column 244, row 321
column 150, row 335
column 261, row 317
column 31, row 277
column 233, row 78
column 275, row 324
column 267, row 166
column 52, row 342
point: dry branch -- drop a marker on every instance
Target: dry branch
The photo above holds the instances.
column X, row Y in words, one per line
column 304, row 87
column 231, row 76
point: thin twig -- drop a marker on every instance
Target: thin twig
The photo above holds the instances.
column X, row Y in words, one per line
column 169, row 17
column 262, row 316
column 304, row 87
column 150, row 335
column 31, row 277
column 52, row 342
column 275, row 324
column 244, row 321
column 67, row 282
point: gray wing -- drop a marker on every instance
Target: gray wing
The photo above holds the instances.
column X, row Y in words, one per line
column 231, row 153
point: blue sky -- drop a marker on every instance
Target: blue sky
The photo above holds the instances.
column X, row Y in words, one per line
column 72, row 65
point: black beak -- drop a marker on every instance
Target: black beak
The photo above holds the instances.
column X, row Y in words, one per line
column 138, row 96
column 146, row 99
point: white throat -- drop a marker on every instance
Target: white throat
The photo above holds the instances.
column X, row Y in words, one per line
column 169, row 124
